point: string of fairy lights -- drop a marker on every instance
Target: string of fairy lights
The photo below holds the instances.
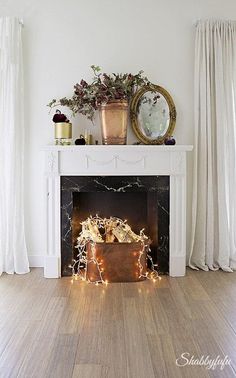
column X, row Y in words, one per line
column 101, row 230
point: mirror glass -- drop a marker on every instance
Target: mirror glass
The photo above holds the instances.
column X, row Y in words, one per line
column 153, row 114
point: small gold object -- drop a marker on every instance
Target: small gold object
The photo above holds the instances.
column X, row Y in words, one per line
column 63, row 133
column 88, row 138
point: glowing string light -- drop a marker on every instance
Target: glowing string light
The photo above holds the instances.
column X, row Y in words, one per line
column 122, row 232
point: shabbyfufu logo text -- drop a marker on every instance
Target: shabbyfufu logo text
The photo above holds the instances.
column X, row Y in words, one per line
column 186, row 359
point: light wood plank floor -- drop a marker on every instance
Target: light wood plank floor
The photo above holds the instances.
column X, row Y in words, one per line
column 53, row 328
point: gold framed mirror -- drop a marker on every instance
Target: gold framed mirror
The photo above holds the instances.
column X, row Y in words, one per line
column 153, row 114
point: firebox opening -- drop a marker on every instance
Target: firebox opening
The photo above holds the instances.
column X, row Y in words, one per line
column 142, row 200
column 130, row 206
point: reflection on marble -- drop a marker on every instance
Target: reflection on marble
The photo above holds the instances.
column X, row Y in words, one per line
column 156, row 186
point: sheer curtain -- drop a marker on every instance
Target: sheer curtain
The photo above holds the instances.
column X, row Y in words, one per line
column 213, row 242
column 13, row 253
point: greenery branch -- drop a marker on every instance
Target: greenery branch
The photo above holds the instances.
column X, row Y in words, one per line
column 104, row 88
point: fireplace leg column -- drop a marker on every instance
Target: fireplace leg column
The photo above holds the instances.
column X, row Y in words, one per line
column 177, row 260
column 52, row 262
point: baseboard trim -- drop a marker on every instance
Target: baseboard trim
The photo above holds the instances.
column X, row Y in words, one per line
column 36, row 261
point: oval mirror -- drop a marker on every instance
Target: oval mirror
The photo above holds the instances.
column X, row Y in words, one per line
column 153, row 114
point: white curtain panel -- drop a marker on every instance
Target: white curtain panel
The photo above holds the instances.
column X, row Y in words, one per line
column 213, row 243
column 13, row 253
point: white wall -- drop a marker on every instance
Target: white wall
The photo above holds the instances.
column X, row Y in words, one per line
column 63, row 38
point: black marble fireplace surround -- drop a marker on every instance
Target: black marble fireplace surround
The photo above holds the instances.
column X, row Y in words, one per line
column 142, row 200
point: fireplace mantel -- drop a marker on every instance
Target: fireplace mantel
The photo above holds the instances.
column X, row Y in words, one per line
column 128, row 160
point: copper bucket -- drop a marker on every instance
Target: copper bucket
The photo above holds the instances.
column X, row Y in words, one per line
column 114, row 118
column 119, row 262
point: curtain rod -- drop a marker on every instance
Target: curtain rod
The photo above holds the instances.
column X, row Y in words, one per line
column 195, row 23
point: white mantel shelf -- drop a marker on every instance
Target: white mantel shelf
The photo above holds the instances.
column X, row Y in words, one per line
column 115, row 160
column 99, row 147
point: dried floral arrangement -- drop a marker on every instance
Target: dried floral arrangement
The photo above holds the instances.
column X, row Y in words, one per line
column 108, row 230
column 87, row 98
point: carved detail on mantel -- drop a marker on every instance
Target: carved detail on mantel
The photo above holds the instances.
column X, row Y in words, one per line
column 115, row 159
column 52, row 163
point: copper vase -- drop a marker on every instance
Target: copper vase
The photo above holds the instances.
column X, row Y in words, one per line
column 114, row 118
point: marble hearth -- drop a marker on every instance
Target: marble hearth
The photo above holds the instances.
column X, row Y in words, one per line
column 109, row 161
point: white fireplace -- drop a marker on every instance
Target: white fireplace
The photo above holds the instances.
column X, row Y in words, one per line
column 128, row 160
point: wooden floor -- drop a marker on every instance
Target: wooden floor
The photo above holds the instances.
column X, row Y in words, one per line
column 55, row 328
